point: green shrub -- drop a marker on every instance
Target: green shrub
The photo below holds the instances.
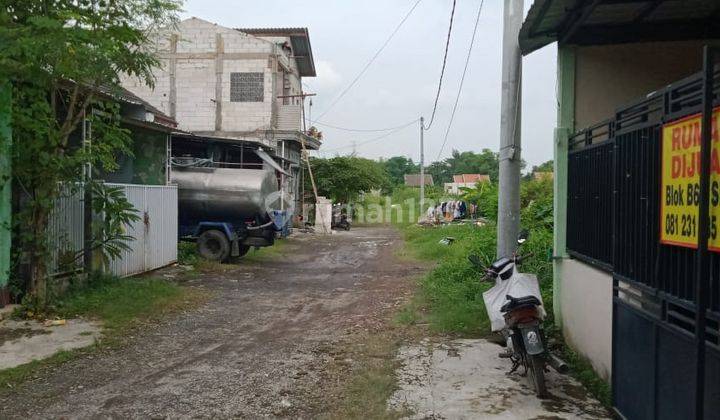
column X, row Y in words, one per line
column 187, row 253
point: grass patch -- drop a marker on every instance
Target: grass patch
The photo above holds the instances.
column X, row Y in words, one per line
column 279, row 249
column 582, row 370
column 413, row 312
column 120, row 304
column 187, row 255
column 12, row 377
column 373, row 380
column 450, row 295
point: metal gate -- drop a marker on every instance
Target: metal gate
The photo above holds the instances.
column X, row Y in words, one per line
column 665, row 354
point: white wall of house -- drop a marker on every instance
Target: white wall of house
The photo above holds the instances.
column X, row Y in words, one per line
column 586, row 307
column 454, row 187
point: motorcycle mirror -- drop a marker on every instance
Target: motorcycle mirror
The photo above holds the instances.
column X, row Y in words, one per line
column 522, row 237
column 475, row 260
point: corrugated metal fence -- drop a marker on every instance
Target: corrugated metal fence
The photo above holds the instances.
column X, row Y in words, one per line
column 66, row 231
column 155, row 234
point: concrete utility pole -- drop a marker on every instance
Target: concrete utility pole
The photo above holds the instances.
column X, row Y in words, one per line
column 509, row 191
column 422, row 166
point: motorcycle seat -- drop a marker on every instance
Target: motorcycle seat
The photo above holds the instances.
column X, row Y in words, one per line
column 516, row 303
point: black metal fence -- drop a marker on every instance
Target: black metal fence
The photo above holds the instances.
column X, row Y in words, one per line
column 614, row 195
column 654, row 312
column 590, row 169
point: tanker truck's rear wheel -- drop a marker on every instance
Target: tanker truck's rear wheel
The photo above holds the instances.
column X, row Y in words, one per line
column 213, row 245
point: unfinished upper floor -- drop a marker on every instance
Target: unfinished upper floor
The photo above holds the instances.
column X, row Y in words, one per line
column 231, row 83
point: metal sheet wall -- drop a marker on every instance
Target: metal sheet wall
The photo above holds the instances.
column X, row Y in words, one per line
column 155, row 234
column 66, row 231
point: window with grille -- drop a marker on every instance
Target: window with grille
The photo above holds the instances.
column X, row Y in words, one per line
column 247, row 87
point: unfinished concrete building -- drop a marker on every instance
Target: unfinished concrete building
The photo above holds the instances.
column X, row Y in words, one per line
column 239, row 85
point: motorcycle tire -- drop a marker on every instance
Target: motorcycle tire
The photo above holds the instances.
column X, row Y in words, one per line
column 537, row 375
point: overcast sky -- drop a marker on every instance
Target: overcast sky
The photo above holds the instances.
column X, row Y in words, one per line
column 400, row 85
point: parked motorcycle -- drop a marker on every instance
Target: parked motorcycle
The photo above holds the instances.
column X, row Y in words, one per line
column 340, row 218
column 515, row 308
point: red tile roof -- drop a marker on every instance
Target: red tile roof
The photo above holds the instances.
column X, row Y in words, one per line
column 471, row 178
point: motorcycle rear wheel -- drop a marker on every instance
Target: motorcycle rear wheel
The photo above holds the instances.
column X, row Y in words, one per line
column 537, row 375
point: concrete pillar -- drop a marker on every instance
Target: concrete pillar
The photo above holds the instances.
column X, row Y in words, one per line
column 510, row 122
column 5, row 187
column 565, row 127
column 323, row 215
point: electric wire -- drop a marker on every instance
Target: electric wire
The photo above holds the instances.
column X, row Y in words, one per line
column 442, row 70
column 364, row 130
column 370, row 140
column 355, row 80
column 462, row 80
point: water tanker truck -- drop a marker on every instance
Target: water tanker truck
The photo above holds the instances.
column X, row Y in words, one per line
column 224, row 208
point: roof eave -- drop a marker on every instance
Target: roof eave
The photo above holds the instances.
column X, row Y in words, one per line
column 308, row 62
column 570, row 22
column 300, row 40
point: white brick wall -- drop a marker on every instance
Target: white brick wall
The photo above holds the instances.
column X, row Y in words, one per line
column 158, row 97
column 246, row 116
column 196, row 78
column 195, row 93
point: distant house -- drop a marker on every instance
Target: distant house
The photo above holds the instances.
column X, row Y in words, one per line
column 543, row 176
column 413, row 180
column 464, row 181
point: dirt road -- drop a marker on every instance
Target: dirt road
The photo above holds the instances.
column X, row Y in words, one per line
column 258, row 348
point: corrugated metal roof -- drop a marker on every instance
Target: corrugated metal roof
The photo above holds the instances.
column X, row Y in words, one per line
column 300, row 40
column 123, row 95
column 597, row 22
column 272, row 31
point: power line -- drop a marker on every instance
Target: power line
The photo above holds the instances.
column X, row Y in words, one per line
column 362, row 130
column 462, row 79
column 370, row 140
column 442, row 71
column 387, row 41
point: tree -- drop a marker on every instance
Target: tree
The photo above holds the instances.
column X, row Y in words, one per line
column 342, row 178
column 440, row 172
column 65, row 59
column 486, row 162
column 543, row 167
column 399, row 166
